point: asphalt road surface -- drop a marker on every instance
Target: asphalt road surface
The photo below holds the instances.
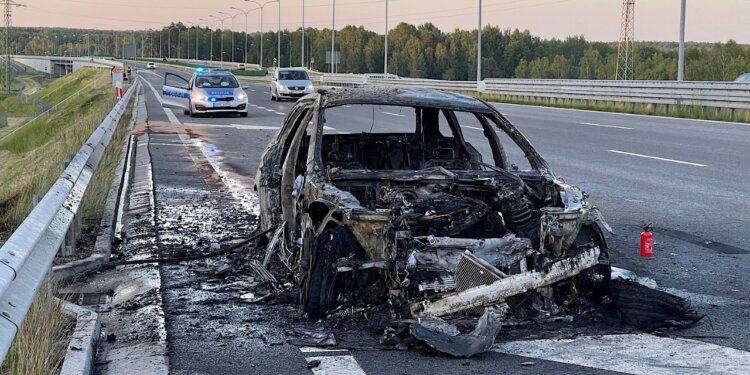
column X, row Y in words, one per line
column 687, row 177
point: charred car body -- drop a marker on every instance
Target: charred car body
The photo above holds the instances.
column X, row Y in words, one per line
column 418, row 219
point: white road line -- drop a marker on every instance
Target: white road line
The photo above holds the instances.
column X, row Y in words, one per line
column 269, row 110
column 606, row 126
column 312, row 349
column 254, row 127
column 336, row 365
column 170, row 115
column 392, row 114
column 280, row 113
column 635, row 354
column 471, row 127
column 259, row 107
column 156, row 93
column 658, row 158
column 172, row 118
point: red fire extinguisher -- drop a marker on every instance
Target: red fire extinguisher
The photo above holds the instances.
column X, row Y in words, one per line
column 647, row 241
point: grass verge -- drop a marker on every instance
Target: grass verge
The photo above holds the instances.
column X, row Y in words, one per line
column 31, row 158
column 40, row 345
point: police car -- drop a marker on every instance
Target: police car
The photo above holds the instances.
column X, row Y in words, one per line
column 207, row 92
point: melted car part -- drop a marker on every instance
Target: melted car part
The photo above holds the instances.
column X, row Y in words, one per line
column 479, row 340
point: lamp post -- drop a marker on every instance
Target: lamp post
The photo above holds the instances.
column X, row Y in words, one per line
column 232, row 32
column 261, row 6
column 681, row 54
column 303, row 33
column 222, row 33
column 479, row 44
column 333, row 37
column 211, row 31
column 245, row 12
column 385, row 63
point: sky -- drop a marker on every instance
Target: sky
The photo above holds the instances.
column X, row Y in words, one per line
column 597, row 20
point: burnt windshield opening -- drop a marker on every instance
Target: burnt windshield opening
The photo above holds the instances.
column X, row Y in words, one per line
column 401, row 138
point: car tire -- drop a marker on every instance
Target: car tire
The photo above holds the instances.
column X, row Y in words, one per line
column 243, row 114
column 318, row 274
column 190, row 110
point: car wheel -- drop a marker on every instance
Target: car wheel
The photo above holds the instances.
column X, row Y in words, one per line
column 318, row 273
column 243, row 114
column 190, row 110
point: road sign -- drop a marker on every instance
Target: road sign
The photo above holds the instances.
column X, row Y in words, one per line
column 336, row 57
column 128, row 51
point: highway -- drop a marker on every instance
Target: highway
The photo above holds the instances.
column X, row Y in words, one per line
column 687, row 177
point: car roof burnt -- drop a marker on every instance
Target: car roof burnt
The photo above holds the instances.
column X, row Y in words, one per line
column 402, row 97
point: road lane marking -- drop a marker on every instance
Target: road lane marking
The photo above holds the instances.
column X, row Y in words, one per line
column 392, row 114
column 156, row 93
column 635, row 354
column 471, row 127
column 313, row 349
column 170, row 115
column 255, row 127
column 336, row 365
column 280, row 113
column 606, row 126
column 658, row 158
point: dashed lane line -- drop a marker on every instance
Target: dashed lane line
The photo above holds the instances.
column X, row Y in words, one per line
column 606, row 126
column 392, row 114
column 658, row 158
column 172, row 118
column 635, row 354
column 336, row 365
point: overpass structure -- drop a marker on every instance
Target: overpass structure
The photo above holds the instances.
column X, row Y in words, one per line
column 61, row 65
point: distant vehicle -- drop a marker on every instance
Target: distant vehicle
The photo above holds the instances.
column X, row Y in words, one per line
column 745, row 78
column 241, row 66
column 207, row 92
column 290, row 83
column 151, row 66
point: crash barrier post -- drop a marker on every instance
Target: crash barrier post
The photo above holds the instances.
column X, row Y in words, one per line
column 718, row 95
column 26, row 258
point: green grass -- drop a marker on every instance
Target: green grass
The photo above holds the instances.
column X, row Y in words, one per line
column 40, row 345
column 9, row 104
column 31, row 158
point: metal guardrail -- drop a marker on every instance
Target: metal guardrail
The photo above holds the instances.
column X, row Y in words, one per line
column 696, row 93
column 26, row 258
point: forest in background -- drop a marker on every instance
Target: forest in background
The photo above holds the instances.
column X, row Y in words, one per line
column 422, row 51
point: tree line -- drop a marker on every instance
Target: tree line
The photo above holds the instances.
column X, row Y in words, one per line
column 422, row 51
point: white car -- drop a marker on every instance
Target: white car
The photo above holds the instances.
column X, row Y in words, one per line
column 207, row 92
column 290, row 83
column 151, row 66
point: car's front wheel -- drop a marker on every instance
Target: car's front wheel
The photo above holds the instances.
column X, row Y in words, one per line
column 318, row 271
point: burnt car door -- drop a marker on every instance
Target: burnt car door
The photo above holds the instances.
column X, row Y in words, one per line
column 268, row 180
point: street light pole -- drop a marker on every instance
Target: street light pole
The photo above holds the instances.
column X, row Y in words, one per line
column 303, row 34
column 479, row 44
column 232, row 33
column 385, row 64
column 278, row 59
column 261, row 6
column 245, row 12
column 333, row 37
column 211, row 32
column 681, row 59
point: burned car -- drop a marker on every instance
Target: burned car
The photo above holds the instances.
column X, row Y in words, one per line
column 423, row 217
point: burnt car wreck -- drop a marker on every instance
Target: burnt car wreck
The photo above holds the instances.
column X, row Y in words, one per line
column 426, row 221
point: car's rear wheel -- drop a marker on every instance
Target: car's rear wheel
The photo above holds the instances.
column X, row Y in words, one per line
column 319, row 292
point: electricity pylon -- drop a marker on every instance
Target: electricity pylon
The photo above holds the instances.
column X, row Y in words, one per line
column 8, row 6
column 625, row 49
